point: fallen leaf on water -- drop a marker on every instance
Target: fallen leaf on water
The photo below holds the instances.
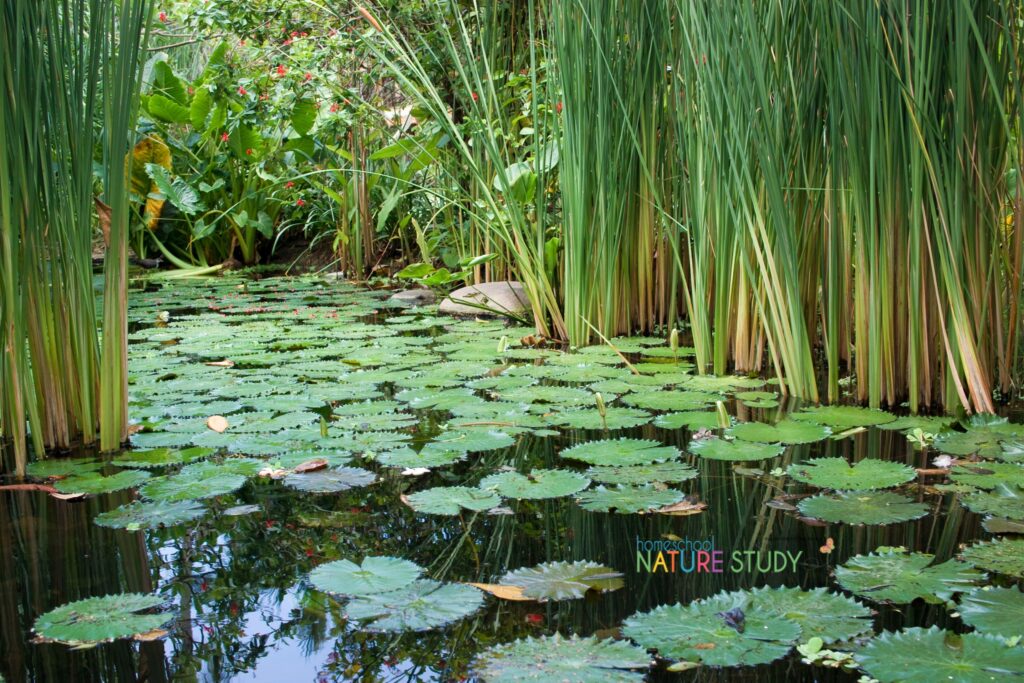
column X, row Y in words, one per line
column 683, row 666
column 502, row 591
column 704, row 646
column 217, row 423
column 311, row 465
column 155, row 634
column 221, row 363
column 687, row 506
column 134, row 429
column 67, row 496
column 779, row 504
column 828, row 547
column 810, row 521
column 272, row 472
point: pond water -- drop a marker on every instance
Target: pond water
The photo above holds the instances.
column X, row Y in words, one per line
column 402, row 401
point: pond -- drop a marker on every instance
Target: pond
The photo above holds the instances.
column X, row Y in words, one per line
column 289, row 429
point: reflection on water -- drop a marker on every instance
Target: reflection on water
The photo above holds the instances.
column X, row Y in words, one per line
column 245, row 610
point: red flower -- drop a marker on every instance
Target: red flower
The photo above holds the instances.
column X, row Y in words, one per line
column 309, row 552
column 248, row 152
column 281, row 71
column 162, row 17
column 334, row 107
column 223, row 137
column 533, row 618
column 242, row 42
column 287, row 41
column 475, row 96
column 558, row 107
column 309, row 76
column 289, row 184
column 242, row 91
column 299, row 202
column 269, row 523
column 303, row 34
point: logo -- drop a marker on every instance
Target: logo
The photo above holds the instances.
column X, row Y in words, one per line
column 700, row 556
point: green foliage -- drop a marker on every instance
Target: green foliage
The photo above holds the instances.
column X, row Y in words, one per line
column 894, row 575
column 98, row 620
column 373, row 575
column 862, row 507
column 582, row 660
column 563, row 580
column 919, row 654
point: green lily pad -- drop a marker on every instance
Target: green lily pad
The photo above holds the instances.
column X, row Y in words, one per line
column 829, row 616
column 62, row 467
column 427, row 457
column 722, row 449
column 919, row 654
column 182, row 486
column 374, row 575
column 844, row 417
column 554, row 658
column 862, row 507
column 535, row 485
column 161, row 457
column 93, row 483
column 894, row 576
column 333, row 480
column 692, row 419
column 985, row 436
column 614, row 418
column 421, row 606
column 667, row 472
column 1002, row 556
column 1004, row 500
column 471, row 440
column 627, row 499
column 101, row 620
column 451, row 500
column 661, row 399
column 784, row 432
column 140, row 515
column 988, row 475
column 838, row 474
column 929, row 424
column 563, row 580
column 620, row 452
column 698, row 633
column 994, row 610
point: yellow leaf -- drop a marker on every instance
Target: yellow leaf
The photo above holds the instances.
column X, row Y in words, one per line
column 217, row 423
column 502, row 591
column 149, row 150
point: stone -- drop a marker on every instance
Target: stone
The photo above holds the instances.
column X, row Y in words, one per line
column 416, row 297
column 500, row 297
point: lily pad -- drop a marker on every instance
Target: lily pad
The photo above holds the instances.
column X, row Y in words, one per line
column 894, row 576
column 421, row 606
column 471, row 440
column 1004, row 500
column 844, row 417
column 692, row 419
column 1002, row 556
column 62, row 467
column 427, row 457
column 784, row 432
column 161, row 457
column 919, row 654
column 994, row 610
column 563, row 580
column 668, row 472
column 374, row 575
column 554, row 658
column 723, row 449
column 702, row 633
column 864, row 475
column 93, row 483
column 657, row 399
column 862, row 507
column 988, row 475
column 535, row 485
column 140, row 515
column 182, row 486
column 100, row 620
column 620, row 452
column 451, row 500
column 628, row 499
column 828, row 616
column 614, row 418
column 332, row 480
column 984, row 437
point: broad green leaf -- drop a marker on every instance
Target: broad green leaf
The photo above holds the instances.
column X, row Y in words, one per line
column 864, row 475
column 102, row 619
column 373, row 575
column 919, row 654
column 862, row 507
column 900, row 577
column 421, row 606
column 563, row 580
column 555, row 658
column 535, row 485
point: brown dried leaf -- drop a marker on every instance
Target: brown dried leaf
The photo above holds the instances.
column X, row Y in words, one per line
column 502, row 591
column 311, row 465
column 155, row 634
column 687, row 506
column 217, row 423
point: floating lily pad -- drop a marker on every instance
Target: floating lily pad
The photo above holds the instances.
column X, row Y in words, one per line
column 628, row 499
column 535, row 485
column 620, row 452
column 862, row 507
column 471, row 440
column 332, row 480
column 181, row 486
column 93, row 483
column 919, row 654
column 758, row 399
column 1002, row 556
column 161, row 457
column 892, row 575
column 838, row 474
column 784, row 432
column 580, row 660
column 994, row 610
column 420, row 606
column 427, row 457
column 668, row 472
column 828, row 616
column 100, row 620
column 985, row 436
column 693, row 419
column 1004, row 500
column 563, row 580
column 656, row 399
column 374, row 575
column 988, row 475
column 451, row 500
column 844, row 417
column 140, row 515
column 723, row 449
column 62, row 467
column 929, row 424
column 614, row 418
column 703, row 633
